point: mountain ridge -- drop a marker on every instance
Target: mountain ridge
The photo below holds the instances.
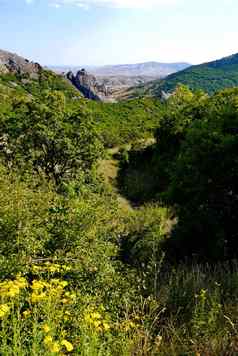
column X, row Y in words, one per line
column 210, row 76
column 150, row 69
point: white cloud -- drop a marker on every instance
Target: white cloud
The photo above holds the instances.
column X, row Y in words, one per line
column 114, row 3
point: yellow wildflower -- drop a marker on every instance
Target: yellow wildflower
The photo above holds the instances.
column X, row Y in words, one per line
column 21, row 282
column 96, row 323
column 35, row 297
column 13, row 291
column 36, row 268
column 73, row 296
column 46, row 328
column 48, row 340
column 4, row 310
column 96, row 315
column 128, row 325
column 132, row 324
column 63, row 284
column 66, row 268
column 69, row 347
column 53, row 268
column 36, row 285
column 26, row 313
column 87, row 318
column 55, row 347
column 106, row 326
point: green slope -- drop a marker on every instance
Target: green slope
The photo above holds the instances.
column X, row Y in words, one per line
column 45, row 80
column 210, row 77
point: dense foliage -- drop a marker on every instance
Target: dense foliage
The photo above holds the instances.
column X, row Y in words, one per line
column 117, row 222
column 194, row 169
column 203, row 77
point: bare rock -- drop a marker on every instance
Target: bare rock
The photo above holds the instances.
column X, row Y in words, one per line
column 12, row 63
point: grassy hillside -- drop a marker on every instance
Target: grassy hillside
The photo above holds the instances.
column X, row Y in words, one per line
column 209, row 77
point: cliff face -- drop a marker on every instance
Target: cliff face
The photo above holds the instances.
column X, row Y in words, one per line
column 12, row 63
column 88, row 85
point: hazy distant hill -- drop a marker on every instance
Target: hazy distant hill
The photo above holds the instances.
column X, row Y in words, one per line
column 210, row 77
column 147, row 69
column 117, row 79
column 150, row 69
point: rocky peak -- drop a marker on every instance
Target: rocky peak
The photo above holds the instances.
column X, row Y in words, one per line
column 88, row 85
column 12, row 63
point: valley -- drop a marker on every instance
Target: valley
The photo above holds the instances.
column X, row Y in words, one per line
column 116, row 82
column 118, row 214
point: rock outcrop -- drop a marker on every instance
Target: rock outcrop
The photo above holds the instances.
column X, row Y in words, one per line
column 88, row 85
column 12, row 63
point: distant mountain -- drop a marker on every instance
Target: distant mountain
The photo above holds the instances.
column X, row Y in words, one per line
column 210, row 77
column 147, row 69
column 112, row 82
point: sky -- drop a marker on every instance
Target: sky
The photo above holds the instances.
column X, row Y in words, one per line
column 99, row 32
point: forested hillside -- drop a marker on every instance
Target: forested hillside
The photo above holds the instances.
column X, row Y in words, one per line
column 83, row 272
column 210, row 77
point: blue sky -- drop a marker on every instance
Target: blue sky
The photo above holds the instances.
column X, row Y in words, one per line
column 77, row 32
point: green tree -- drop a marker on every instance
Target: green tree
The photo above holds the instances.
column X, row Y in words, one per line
column 50, row 138
column 203, row 183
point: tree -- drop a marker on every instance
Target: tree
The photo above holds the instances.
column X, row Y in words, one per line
column 203, row 183
column 52, row 139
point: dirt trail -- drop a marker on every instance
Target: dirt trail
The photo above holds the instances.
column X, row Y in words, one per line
column 108, row 169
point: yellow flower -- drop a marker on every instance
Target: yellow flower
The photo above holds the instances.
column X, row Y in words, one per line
column 4, row 310
column 36, row 268
column 46, row 328
column 96, row 315
column 63, row 284
column 26, row 313
column 35, row 297
column 21, row 282
column 55, row 347
column 96, row 323
column 106, row 326
column 88, row 318
column 66, row 268
column 13, row 291
column 127, row 325
column 48, row 340
column 69, row 347
column 37, row 285
column 53, row 268
column 132, row 324
column 63, row 333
